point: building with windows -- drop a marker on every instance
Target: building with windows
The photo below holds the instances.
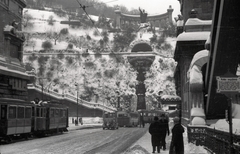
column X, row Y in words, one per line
column 13, row 79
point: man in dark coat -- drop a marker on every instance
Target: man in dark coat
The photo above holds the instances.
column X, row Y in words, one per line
column 164, row 130
column 177, row 145
column 154, row 130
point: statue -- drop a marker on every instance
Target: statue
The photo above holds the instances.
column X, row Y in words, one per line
column 143, row 16
column 143, row 25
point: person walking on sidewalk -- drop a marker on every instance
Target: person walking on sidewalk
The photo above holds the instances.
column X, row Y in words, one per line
column 154, row 130
column 177, row 145
column 164, row 130
column 141, row 120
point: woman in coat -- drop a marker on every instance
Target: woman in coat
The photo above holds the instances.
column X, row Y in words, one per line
column 177, row 145
column 155, row 131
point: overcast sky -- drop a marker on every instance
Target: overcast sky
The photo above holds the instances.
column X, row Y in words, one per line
column 150, row 6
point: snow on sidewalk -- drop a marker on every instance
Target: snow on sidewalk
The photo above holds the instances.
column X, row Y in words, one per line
column 144, row 146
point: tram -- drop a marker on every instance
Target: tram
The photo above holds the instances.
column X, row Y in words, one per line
column 20, row 118
column 127, row 119
column 148, row 115
column 110, row 120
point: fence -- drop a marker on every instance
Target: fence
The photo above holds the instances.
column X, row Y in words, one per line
column 215, row 141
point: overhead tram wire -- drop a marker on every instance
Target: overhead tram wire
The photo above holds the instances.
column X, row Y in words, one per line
column 84, row 9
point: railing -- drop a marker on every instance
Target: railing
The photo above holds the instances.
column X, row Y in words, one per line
column 215, row 141
column 71, row 98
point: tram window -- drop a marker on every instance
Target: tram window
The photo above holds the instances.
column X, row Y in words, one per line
column 20, row 113
column 52, row 113
column 12, row 112
column 43, row 112
column 38, row 112
column 28, row 112
column 61, row 113
column 121, row 115
column 56, row 113
column 64, row 113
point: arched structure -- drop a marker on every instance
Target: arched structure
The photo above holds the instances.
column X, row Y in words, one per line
column 153, row 19
column 141, row 60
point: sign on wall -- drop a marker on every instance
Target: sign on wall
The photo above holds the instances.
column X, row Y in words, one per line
column 228, row 84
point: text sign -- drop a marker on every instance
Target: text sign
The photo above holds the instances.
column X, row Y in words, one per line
column 228, row 84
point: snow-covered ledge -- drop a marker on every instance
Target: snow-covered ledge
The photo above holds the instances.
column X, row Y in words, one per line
column 198, row 116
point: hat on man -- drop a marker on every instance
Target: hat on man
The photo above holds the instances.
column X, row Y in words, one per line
column 155, row 118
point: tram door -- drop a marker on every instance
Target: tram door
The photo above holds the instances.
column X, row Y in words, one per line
column 3, row 118
column 3, row 112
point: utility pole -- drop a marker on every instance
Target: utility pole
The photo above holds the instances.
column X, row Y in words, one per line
column 230, row 124
column 77, row 108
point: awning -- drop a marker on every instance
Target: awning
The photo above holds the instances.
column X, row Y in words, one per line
column 199, row 59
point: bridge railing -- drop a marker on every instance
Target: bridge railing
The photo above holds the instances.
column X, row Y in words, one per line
column 215, row 141
column 72, row 98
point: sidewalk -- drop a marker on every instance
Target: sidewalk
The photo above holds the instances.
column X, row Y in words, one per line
column 144, row 146
column 84, row 126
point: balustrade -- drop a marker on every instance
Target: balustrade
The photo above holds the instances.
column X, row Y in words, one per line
column 216, row 141
column 74, row 98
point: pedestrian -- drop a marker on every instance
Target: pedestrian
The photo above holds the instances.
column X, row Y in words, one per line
column 72, row 120
column 164, row 130
column 80, row 121
column 177, row 145
column 142, row 123
column 154, row 130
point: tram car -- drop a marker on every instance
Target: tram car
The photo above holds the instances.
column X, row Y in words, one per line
column 23, row 119
column 148, row 115
column 49, row 118
column 110, row 120
column 15, row 119
column 127, row 119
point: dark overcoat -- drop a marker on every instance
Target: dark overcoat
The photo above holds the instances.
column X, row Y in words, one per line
column 164, row 128
column 177, row 144
column 155, row 131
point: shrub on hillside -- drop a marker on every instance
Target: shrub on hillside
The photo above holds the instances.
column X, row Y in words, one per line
column 95, row 33
column 47, row 45
column 70, row 46
column 64, row 31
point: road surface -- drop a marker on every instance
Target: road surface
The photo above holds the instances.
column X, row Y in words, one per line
column 88, row 141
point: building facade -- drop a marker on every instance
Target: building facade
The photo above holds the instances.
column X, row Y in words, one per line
column 13, row 79
column 194, row 29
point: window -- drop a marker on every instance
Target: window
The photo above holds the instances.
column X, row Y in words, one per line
column 52, row 113
column 43, row 112
column 38, row 112
column 56, row 112
column 28, row 111
column 12, row 112
column 64, row 113
column 61, row 113
column 20, row 112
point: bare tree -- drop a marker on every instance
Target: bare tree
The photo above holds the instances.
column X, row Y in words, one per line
column 53, row 35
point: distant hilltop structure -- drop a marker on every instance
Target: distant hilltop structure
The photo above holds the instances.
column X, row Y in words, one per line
column 155, row 20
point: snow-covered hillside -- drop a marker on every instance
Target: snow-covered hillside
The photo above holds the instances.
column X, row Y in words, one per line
column 96, row 76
